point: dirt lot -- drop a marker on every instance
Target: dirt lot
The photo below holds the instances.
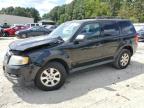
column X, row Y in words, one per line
column 99, row 87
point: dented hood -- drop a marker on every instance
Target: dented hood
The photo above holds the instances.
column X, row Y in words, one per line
column 29, row 43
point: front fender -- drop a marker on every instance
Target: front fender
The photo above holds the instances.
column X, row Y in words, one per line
column 42, row 57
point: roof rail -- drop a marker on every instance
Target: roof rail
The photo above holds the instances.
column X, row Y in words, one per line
column 105, row 17
column 108, row 17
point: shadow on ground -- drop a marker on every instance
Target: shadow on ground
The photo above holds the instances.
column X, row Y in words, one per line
column 80, row 83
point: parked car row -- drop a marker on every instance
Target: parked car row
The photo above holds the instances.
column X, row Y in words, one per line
column 33, row 31
column 25, row 31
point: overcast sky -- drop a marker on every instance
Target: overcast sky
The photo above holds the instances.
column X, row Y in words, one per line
column 43, row 6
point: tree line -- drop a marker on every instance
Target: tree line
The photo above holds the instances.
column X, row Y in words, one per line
column 80, row 9
column 20, row 11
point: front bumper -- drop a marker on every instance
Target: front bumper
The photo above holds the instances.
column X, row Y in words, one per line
column 22, row 75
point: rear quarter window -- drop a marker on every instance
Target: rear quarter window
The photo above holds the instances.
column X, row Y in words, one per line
column 127, row 27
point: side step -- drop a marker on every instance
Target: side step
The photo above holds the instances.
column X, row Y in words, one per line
column 90, row 66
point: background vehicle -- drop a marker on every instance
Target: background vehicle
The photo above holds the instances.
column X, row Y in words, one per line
column 11, row 31
column 51, row 27
column 1, row 32
column 72, row 46
column 46, row 22
column 33, row 31
column 141, row 34
column 0, row 27
column 5, row 25
column 33, row 25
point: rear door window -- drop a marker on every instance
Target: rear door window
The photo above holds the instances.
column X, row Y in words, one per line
column 110, row 28
column 126, row 27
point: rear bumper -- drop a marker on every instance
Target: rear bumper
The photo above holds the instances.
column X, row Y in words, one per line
column 22, row 75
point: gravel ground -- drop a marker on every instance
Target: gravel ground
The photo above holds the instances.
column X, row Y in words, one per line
column 99, row 87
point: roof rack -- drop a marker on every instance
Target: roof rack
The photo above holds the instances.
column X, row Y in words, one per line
column 105, row 17
column 108, row 17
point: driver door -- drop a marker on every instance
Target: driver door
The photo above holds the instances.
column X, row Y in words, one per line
column 89, row 49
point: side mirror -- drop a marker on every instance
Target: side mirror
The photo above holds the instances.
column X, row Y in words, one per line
column 79, row 38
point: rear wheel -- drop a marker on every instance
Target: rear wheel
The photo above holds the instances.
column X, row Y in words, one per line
column 51, row 77
column 123, row 59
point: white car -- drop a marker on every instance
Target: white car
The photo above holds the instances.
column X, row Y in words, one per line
column 32, row 24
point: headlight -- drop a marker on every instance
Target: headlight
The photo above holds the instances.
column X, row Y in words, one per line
column 18, row 60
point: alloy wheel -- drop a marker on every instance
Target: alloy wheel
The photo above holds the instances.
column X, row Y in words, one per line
column 50, row 77
column 124, row 59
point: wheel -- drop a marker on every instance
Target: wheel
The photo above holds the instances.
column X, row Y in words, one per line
column 24, row 36
column 123, row 59
column 51, row 77
column 5, row 34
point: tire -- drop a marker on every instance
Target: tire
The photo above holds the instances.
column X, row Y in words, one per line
column 18, row 37
column 24, row 36
column 5, row 34
column 123, row 59
column 43, row 79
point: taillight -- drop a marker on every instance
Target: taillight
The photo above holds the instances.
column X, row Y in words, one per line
column 136, row 39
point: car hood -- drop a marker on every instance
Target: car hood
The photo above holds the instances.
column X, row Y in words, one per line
column 34, row 42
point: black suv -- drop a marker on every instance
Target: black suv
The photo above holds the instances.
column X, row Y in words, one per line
column 74, row 45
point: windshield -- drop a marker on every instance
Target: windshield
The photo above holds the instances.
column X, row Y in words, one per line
column 65, row 30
